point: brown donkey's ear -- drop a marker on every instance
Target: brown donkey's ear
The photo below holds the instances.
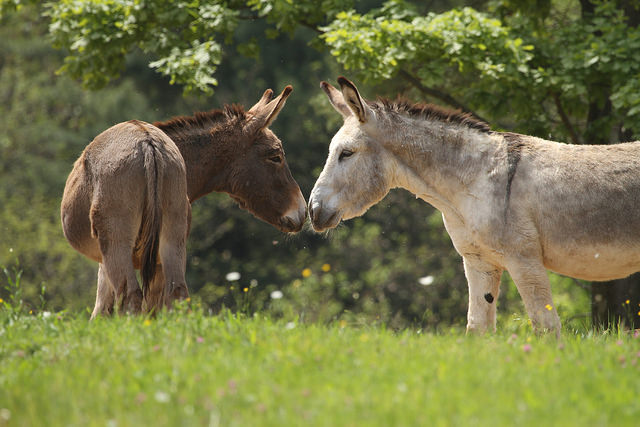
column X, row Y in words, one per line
column 336, row 99
column 353, row 100
column 265, row 114
column 266, row 97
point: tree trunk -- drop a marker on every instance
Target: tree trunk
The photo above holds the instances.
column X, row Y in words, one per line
column 616, row 303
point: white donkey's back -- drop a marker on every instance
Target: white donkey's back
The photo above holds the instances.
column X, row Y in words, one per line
column 583, row 201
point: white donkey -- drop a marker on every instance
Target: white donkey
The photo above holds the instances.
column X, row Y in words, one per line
column 509, row 202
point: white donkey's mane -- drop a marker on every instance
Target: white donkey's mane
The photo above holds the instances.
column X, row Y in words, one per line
column 430, row 112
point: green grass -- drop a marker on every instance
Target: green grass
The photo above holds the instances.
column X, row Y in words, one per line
column 186, row 368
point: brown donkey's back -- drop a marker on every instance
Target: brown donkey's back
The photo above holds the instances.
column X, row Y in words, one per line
column 125, row 204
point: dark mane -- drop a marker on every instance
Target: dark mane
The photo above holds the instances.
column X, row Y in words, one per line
column 432, row 112
column 202, row 120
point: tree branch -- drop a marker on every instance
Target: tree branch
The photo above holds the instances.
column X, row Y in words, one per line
column 311, row 26
column 442, row 96
column 575, row 138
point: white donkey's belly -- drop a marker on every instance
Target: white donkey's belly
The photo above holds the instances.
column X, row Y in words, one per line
column 592, row 262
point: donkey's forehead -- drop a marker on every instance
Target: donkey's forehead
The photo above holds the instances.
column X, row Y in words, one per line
column 349, row 134
column 267, row 138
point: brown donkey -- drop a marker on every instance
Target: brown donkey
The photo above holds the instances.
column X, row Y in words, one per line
column 126, row 203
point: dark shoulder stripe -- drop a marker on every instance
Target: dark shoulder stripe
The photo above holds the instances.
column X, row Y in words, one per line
column 515, row 142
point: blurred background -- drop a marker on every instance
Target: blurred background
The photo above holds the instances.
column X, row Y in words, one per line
column 563, row 70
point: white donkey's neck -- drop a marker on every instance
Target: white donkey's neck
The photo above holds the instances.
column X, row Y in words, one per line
column 439, row 162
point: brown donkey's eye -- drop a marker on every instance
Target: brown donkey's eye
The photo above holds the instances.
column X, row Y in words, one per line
column 344, row 154
column 275, row 159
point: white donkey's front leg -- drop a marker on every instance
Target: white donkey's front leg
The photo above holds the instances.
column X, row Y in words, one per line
column 532, row 282
column 484, row 287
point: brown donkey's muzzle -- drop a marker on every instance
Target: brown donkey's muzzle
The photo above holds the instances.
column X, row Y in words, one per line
column 293, row 219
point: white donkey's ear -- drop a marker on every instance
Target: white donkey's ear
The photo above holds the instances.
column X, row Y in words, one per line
column 354, row 101
column 336, row 99
column 265, row 111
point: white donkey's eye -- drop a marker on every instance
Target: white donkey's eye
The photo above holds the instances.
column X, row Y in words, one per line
column 345, row 154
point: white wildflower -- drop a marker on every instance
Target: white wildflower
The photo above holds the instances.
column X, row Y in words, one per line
column 426, row 280
column 162, row 397
column 233, row 276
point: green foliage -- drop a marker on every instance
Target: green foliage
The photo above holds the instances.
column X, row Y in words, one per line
column 516, row 62
column 184, row 36
column 7, row 7
column 514, row 66
column 184, row 368
column 464, row 39
column 287, row 15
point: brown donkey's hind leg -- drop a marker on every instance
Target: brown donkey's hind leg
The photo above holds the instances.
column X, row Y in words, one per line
column 116, row 235
column 173, row 265
column 105, row 295
column 173, row 251
column 119, row 268
column 154, row 298
column 169, row 282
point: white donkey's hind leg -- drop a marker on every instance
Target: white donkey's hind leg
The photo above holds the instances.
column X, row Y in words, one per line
column 532, row 282
column 105, row 295
column 484, row 287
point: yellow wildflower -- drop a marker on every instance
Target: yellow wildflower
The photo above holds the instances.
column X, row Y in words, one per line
column 306, row 272
column 1, row 300
column 548, row 307
column 245, row 290
column 627, row 302
column 146, row 322
column 326, row 268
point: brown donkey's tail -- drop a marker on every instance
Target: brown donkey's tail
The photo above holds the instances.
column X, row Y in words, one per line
column 149, row 236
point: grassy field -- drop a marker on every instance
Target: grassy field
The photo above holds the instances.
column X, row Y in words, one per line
column 186, row 368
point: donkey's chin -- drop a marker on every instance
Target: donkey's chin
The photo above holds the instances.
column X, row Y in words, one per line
column 290, row 225
column 321, row 221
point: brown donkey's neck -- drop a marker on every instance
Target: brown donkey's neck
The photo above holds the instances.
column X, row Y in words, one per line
column 207, row 144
